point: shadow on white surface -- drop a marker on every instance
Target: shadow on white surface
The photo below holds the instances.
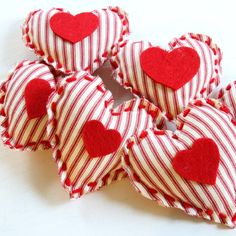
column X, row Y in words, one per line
column 123, row 193
column 36, row 171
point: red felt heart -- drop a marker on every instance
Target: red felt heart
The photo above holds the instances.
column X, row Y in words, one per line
column 98, row 140
column 172, row 69
column 73, row 28
column 200, row 163
column 36, row 95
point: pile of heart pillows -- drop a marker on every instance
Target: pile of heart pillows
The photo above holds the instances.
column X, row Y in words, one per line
column 57, row 103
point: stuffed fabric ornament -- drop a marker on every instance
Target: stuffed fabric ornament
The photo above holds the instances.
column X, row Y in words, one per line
column 75, row 42
column 24, row 96
column 193, row 168
column 89, row 133
column 188, row 68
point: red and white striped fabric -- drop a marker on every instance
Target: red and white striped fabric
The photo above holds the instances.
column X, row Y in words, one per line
column 88, row 54
column 19, row 131
column 81, row 98
column 148, row 161
column 129, row 73
column 228, row 96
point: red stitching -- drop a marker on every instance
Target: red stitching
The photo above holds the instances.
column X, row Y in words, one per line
column 63, row 167
column 99, row 88
column 210, row 102
column 186, row 205
column 143, row 134
column 169, row 116
column 228, row 87
column 92, row 184
column 136, row 177
column 159, row 132
column 2, row 99
column 54, row 123
column 127, row 161
column 40, row 53
column 202, row 90
column 225, row 109
column 174, row 136
column 214, row 51
column 120, row 74
column 152, row 191
column 71, row 79
column 78, row 191
column 88, row 78
column 19, row 146
column 54, row 107
column 114, row 64
column 180, row 126
column 106, row 103
column 123, row 44
column 212, row 80
column 59, row 65
column 153, row 113
column 105, row 54
column 58, row 155
column 128, row 109
column 5, row 123
column 209, row 212
column 169, row 198
column 130, row 144
column 105, row 178
column 50, row 59
column 221, row 94
column 67, row 182
column 46, row 144
column 57, row 139
column 222, row 216
column 2, row 113
column 115, row 113
column 60, row 90
column 186, row 112
column 141, row 106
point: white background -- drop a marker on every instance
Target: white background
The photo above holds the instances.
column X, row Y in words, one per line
column 32, row 202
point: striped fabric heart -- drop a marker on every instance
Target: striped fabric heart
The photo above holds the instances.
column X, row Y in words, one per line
column 129, row 72
column 20, row 131
column 80, row 99
column 70, row 54
column 150, row 161
column 228, row 96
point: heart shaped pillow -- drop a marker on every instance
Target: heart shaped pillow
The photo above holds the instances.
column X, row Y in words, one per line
column 189, row 68
column 23, row 97
column 227, row 95
column 75, row 42
column 89, row 133
column 193, row 168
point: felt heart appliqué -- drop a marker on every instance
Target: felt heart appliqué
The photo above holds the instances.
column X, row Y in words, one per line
column 23, row 101
column 172, row 69
column 156, row 163
column 37, row 92
column 98, row 141
column 186, row 77
column 74, row 43
column 200, row 163
column 84, row 125
column 74, row 28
